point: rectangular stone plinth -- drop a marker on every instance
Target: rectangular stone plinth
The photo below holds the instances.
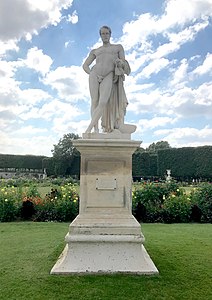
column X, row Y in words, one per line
column 106, row 174
column 105, row 237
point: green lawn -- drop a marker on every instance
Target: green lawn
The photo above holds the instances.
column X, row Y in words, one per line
column 44, row 190
column 181, row 252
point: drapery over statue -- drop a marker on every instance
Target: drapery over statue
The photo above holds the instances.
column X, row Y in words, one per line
column 108, row 98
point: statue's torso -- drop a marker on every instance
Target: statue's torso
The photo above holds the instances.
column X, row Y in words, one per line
column 105, row 59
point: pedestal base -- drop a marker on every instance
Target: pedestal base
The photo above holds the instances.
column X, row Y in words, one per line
column 105, row 237
column 102, row 244
column 104, row 255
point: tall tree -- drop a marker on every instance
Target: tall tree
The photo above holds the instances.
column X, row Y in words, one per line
column 64, row 154
column 154, row 147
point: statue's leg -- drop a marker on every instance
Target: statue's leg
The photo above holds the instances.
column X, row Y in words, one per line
column 105, row 88
column 94, row 92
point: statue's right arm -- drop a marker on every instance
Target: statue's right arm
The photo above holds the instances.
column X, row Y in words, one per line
column 86, row 66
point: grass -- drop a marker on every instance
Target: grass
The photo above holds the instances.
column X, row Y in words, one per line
column 181, row 252
column 45, row 190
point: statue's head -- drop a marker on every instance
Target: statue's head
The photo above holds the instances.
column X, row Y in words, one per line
column 104, row 27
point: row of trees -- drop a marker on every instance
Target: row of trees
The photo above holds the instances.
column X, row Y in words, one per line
column 185, row 163
column 66, row 159
column 9, row 161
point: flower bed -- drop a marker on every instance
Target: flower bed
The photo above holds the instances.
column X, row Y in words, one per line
column 19, row 203
column 170, row 203
column 161, row 202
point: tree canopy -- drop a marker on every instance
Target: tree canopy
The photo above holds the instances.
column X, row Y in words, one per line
column 154, row 147
column 65, row 155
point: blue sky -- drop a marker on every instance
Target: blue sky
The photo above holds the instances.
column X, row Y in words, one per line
column 44, row 90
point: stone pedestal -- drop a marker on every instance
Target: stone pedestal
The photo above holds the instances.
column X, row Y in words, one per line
column 105, row 237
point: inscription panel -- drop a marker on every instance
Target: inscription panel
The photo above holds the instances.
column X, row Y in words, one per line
column 106, row 184
column 104, row 191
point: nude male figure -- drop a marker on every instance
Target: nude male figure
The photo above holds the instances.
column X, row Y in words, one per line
column 101, row 75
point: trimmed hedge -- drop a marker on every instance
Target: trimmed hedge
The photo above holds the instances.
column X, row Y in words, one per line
column 187, row 162
column 144, row 164
column 21, row 161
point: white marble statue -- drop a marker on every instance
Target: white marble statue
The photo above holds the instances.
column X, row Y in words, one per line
column 108, row 98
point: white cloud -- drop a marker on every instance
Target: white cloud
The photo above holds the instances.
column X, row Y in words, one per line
column 177, row 39
column 14, row 101
column 38, row 61
column 37, row 139
column 178, row 30
column 188, row 33
column 132, row 86
column 21, row 18
column 186, row 137
column 137, row 31
column 188, row 103
column 8, row 45
column 154, row 67
column 32, row 97
column 180, row 101
column 71, row 83
column 25, row 139
column 155, row 122
column 26, row 130
column 176, row 13
column 78, row 127
column 180, row 75
column 179, row 12
column 141, row 102
column 206, row 67
column 137, row 59
column 68, row 43
column 51, row 111
column 34, row 144
column 7, row 70
column 9, row 88
column 203, row 96
column 66, row 124
column 73, row 18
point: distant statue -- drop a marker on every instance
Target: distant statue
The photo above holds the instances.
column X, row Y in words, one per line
column 168, row 177
column 108, row 98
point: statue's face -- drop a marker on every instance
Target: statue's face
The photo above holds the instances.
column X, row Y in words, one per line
column 105, row 35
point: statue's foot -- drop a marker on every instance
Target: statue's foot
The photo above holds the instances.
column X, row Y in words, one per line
column 87, row 130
